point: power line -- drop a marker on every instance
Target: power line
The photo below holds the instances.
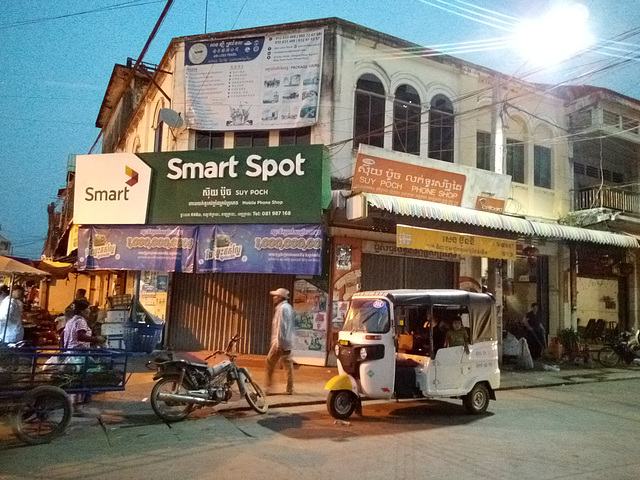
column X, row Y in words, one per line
column 119, row 6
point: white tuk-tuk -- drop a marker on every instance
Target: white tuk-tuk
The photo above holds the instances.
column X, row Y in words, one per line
column 396, row 344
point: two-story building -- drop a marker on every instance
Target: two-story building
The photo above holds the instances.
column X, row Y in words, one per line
column 443, row 174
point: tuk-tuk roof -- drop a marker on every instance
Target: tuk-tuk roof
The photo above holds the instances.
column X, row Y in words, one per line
column 424, row 297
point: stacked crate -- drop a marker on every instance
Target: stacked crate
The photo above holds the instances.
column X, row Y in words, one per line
column 117, row 315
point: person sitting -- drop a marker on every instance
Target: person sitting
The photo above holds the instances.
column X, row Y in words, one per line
column 440, row 329
column 457, row 336
column 76, row 333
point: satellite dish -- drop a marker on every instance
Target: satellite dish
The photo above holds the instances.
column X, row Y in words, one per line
column 170, row 117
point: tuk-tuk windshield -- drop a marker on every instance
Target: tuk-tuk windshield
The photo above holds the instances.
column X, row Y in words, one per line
column 371, row 316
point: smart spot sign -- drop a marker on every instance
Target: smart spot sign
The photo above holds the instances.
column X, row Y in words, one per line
column 245, row 185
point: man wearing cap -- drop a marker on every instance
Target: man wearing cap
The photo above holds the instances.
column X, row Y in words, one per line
column 281, row 338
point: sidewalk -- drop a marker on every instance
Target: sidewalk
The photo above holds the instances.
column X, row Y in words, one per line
column 132, row 405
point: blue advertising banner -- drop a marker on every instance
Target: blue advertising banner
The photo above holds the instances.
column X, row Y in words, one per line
column 288, row 249
column 168, row 249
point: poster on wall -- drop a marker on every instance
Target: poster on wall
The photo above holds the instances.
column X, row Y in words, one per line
column 153, row 294
column 288, row 249
column 259, row 82
column 310, row 331
column 168, row 249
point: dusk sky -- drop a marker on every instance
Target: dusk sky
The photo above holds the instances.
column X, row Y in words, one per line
column 56, row 59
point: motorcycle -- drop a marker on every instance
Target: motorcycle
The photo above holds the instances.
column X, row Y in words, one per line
column 626, row 348
column 183, row 386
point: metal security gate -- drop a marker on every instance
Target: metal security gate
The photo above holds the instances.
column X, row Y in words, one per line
column 206, row 310
column 386, row 272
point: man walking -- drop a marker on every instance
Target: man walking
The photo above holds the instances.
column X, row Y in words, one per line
column 281, row 338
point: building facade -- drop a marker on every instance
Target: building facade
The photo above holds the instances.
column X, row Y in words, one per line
column 477, row 168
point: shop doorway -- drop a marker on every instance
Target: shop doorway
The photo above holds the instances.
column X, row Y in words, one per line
column 527, row 283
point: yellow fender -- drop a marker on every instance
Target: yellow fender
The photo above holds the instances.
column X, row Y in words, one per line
column 342, row 382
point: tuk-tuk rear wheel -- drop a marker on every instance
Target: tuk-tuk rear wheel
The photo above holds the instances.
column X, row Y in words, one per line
column 341, row 403
column 477, row 400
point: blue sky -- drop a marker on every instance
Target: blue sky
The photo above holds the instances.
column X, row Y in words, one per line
column 55, row 63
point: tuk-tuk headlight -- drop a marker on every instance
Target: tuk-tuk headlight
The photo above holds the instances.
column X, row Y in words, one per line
column 363, row 354
column 336, row 349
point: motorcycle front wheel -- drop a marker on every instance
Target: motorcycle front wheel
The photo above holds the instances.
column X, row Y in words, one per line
column 255, row 396
column 608, row 357
column 170, row 410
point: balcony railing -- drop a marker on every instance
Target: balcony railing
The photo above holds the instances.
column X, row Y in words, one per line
column 606, row 197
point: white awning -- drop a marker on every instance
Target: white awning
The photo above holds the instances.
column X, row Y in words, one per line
column 522, row 226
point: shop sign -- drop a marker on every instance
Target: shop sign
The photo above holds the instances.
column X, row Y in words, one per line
column 458, row 243
column 284, row 249
column 379, row 175
column 399, row 174
column 488, row 204
column 288, row 184
column 168, row 248
column 386, row 248
column 253, row 83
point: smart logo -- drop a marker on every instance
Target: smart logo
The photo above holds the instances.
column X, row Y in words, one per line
column 133, row 176
column 114, row 189
column 93, row 195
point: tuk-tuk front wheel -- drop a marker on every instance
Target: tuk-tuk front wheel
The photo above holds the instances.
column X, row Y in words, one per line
column 477, row 400
column 341, row 403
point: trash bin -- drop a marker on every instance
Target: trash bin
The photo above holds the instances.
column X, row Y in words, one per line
column 142, row 337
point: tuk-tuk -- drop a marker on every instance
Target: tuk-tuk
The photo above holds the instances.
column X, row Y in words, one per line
column 413, row 344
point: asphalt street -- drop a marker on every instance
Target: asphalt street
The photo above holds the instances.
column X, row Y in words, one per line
column 581, row 430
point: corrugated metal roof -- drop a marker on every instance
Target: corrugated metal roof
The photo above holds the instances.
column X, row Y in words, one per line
column 450, row 213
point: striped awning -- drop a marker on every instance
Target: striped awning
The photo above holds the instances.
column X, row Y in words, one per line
column 522, row 226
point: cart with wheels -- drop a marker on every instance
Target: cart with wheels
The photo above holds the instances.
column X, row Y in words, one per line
column 36, row 384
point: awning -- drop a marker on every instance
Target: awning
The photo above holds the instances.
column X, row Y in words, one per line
column 9, row 266
column 522, row 226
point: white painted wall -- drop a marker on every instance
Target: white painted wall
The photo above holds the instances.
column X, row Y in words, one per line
column 591, row 304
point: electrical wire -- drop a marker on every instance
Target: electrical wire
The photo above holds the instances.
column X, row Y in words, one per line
column 119, row 6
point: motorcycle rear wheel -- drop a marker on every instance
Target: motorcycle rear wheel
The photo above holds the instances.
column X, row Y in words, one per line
column 255, row 396
column 170, row 411
column 608, row 357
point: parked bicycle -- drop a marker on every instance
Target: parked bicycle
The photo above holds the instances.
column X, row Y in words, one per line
column 626, row 348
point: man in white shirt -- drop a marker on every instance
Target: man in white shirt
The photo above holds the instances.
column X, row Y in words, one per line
column 11, row 330
column 281, row 338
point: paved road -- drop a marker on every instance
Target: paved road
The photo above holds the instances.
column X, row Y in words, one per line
column 577, row 431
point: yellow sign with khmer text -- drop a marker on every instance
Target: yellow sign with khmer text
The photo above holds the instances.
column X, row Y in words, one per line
column 449, row 242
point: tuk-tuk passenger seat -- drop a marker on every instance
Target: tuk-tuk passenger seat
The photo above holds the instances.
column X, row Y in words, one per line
column 405, row 343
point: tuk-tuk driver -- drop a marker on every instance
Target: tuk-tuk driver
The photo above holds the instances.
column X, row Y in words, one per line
column 457, row 336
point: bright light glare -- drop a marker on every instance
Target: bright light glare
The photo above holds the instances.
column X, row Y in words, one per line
column 554, row 37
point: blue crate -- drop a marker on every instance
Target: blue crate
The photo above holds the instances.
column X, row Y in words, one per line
column 142, row 337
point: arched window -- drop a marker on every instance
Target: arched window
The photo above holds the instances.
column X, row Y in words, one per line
column 406, row 120
column 368, row 123
column 441, row 124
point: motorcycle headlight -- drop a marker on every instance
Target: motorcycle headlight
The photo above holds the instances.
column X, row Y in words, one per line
column 336, row 349
column 363, row 354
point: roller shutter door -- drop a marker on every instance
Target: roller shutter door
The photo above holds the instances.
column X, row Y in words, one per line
column 206, row 310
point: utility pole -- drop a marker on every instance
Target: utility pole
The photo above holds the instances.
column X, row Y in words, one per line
column 494, row 274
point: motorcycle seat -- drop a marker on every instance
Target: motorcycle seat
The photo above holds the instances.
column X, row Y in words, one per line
column 194, row 364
